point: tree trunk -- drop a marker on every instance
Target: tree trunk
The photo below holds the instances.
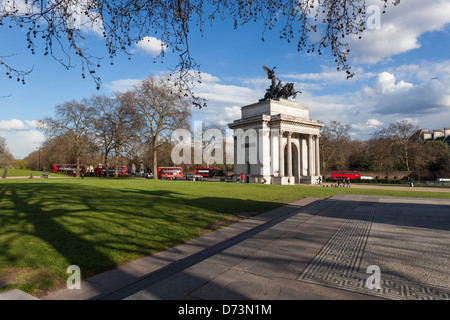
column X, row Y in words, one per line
column 106, row 165
column 77, row 153
column 407, row 160
column 77, row 174
column 155, row 162
column 116, row 160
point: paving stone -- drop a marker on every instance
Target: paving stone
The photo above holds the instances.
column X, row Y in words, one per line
column 16, row 294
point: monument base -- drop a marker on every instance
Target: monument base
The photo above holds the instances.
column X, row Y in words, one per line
column 253, row 179
column 310, row 180
column 295, row 180
column 285, row 180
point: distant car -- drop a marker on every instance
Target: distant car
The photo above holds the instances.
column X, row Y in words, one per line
column 195, row 177
column 148, row 175
column 367, row 178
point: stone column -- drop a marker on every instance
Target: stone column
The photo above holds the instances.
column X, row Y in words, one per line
column 302, row 155
column 235, row 149
column 310, row 156
column 317, row 156
column 289, row 154
column 281, row 164
column 265, row 152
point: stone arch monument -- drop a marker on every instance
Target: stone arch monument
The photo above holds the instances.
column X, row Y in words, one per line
column 275, row 140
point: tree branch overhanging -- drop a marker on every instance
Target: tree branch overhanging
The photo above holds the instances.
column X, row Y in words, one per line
column 62, row 26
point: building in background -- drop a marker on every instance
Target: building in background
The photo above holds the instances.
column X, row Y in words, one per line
column 436, row 135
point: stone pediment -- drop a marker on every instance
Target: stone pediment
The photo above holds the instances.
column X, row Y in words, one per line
column 276, row 111
column 273, row 107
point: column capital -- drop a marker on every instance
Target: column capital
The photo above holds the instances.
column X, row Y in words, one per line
column 265, row 131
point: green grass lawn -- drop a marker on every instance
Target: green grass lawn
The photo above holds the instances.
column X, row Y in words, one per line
column 98, row 224
column 24, row 173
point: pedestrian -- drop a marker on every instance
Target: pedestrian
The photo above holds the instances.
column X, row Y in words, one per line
column 242, row 177
column 412, row 182
column 347, row 180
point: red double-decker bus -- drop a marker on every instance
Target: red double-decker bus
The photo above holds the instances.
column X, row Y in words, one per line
column 204, row 172
column 69, row 169
column 101, row 171
column 339, row 175
column 171, row 173
column 209, row 172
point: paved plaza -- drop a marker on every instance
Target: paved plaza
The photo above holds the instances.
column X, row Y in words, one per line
column 311, row 249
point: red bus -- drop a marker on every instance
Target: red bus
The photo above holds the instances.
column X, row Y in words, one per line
column 209, row 172
column 171, row 173
column 339, row 175
column 101, row 171
column 69, row 169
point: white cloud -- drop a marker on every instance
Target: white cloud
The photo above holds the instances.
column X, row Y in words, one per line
column 414, row 121
column 33, row 123
column 391, row 96
column 233, row 113
column 368, row 125
column 330, row 75
column 151, row 46
column 22, row 143
column 401, row 28
column 20, row 138
column 13, row 124
column 80, row 16
column 224, row 100
column 122, row 85
column 17, row 7
column 223, row 93
column 385, row 84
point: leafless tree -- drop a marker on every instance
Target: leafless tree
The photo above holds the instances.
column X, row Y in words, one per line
column 332, row 141
column 117, row 123
column 72, row 119
column 161, row 110
column 103, row 129
column 6, row 158
column 379, row 153
column 402, row 141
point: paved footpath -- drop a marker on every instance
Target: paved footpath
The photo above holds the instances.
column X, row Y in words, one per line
column 333, row 248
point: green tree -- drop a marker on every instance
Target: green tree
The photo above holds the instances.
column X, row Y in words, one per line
column 435, row 157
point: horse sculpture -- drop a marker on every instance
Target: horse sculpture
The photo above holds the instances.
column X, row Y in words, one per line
column 276, row 90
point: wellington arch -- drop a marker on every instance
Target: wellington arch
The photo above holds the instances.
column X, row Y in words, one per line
column 275, row 141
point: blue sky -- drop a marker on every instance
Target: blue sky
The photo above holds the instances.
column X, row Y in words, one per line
column 402, row 72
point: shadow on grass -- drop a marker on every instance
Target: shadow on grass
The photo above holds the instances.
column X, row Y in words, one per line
column 49, row 226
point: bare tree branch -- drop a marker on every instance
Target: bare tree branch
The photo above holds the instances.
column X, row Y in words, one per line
column 62, row 26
